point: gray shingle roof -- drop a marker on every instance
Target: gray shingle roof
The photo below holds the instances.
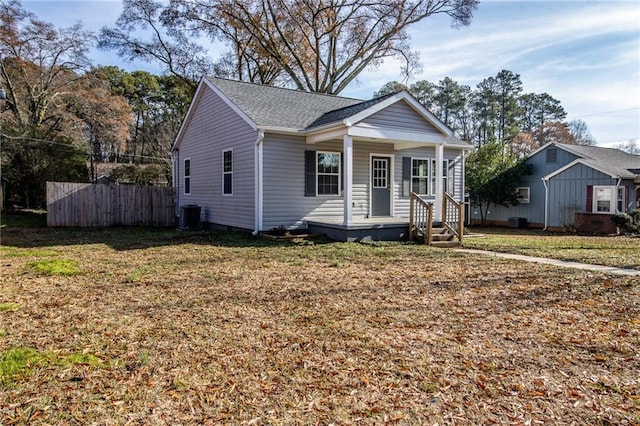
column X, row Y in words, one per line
column 286, row 108
column 611, row 160
column 346, row 112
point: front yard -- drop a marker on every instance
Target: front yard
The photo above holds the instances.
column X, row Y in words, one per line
column 160, row 327
column 619, row 251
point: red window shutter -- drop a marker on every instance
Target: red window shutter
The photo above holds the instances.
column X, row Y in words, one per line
column 589, row 198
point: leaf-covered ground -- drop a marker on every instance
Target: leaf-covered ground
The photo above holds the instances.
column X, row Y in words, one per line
column 169, row 328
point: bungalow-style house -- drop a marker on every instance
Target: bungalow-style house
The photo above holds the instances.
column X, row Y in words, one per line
column 574, row 187
column 259, row 157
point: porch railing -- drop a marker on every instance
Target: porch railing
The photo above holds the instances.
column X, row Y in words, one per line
column 421, row 218
column 453, row 216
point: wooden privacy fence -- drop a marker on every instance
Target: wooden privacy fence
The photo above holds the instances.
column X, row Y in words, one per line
column 86, row 204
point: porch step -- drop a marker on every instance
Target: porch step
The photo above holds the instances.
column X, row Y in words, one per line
column 440, row 237
column 441, row 234
column 446, row 244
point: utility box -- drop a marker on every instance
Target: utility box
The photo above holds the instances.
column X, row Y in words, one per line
column 189, row 217
column 518, row 222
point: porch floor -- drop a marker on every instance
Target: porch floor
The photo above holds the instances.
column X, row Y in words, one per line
column 362, row 229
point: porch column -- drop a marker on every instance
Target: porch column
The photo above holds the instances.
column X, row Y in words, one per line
column 439, row 182
column 347, row 152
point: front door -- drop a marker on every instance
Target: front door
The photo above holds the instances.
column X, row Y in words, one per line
column 380, row 186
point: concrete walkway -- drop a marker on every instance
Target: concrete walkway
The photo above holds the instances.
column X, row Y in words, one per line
column 555, row 262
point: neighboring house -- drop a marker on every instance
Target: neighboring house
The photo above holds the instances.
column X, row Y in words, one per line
column 260, row 157
column 574, row 187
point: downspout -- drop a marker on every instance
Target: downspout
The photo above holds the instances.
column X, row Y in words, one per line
column 175, row 176
column 463, row 198
column 440, row 190
column 259, row 182
column 546, row 204
column 616, row 195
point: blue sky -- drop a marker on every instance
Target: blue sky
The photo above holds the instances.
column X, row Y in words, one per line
column 584, row 53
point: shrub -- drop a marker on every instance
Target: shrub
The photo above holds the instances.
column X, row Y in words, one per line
column 627, row 222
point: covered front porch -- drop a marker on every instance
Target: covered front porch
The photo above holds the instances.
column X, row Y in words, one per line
column 420, row 226
column 362, row 229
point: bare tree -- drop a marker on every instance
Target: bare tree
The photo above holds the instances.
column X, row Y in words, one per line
column 39, row 66
column 315, row 45
column 168, row 46
column 580, row 132
column 54, row 111
column 631, row 146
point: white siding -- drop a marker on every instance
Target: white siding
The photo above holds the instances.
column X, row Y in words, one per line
column 400, row 116
column 284, row 200
column 213, row 128
column 402, row 203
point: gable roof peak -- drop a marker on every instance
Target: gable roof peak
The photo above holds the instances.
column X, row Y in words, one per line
column 279, row 107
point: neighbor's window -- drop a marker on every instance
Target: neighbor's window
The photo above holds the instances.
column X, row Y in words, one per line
column 227, row 172
column 187, row 176
column 522, row 194
column 552, row 155
column 328, row 173
column 621, row 200
column 420, row 175
column 603, row 199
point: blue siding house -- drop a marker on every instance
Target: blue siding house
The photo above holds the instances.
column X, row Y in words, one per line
column 573, row 187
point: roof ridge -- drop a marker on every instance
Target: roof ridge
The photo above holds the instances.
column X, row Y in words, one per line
column 287, row 88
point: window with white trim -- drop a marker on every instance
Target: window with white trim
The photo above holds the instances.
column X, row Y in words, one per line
column 328, row 173
column 603, row 199
column 523, row 194
column 187, row 176
column 622, row 207
column 445, row 176
column 227, row 172
column 420, row 173
column 423, row 176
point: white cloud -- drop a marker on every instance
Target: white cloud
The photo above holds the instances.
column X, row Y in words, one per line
column 586, row 54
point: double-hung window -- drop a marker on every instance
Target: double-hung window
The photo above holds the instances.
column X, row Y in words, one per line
column 603, row 199
column 445, row 177
column 420, row 175
column 187, row 176
column 523, row 194
column 328, row 173
column 621, row 200
column 227, row 172
column 423, row 176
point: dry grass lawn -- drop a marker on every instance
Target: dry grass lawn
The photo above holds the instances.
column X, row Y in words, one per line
column 621, row 251
column 139, row 327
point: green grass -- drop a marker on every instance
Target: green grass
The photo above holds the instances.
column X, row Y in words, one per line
column 62, row 267
column 7, row 251
column 20, row 361
column 24, row 219
column 9, row 306
column 617, row 251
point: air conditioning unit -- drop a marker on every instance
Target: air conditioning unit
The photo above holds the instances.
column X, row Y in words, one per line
column 518, row 222
column 189, row 217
